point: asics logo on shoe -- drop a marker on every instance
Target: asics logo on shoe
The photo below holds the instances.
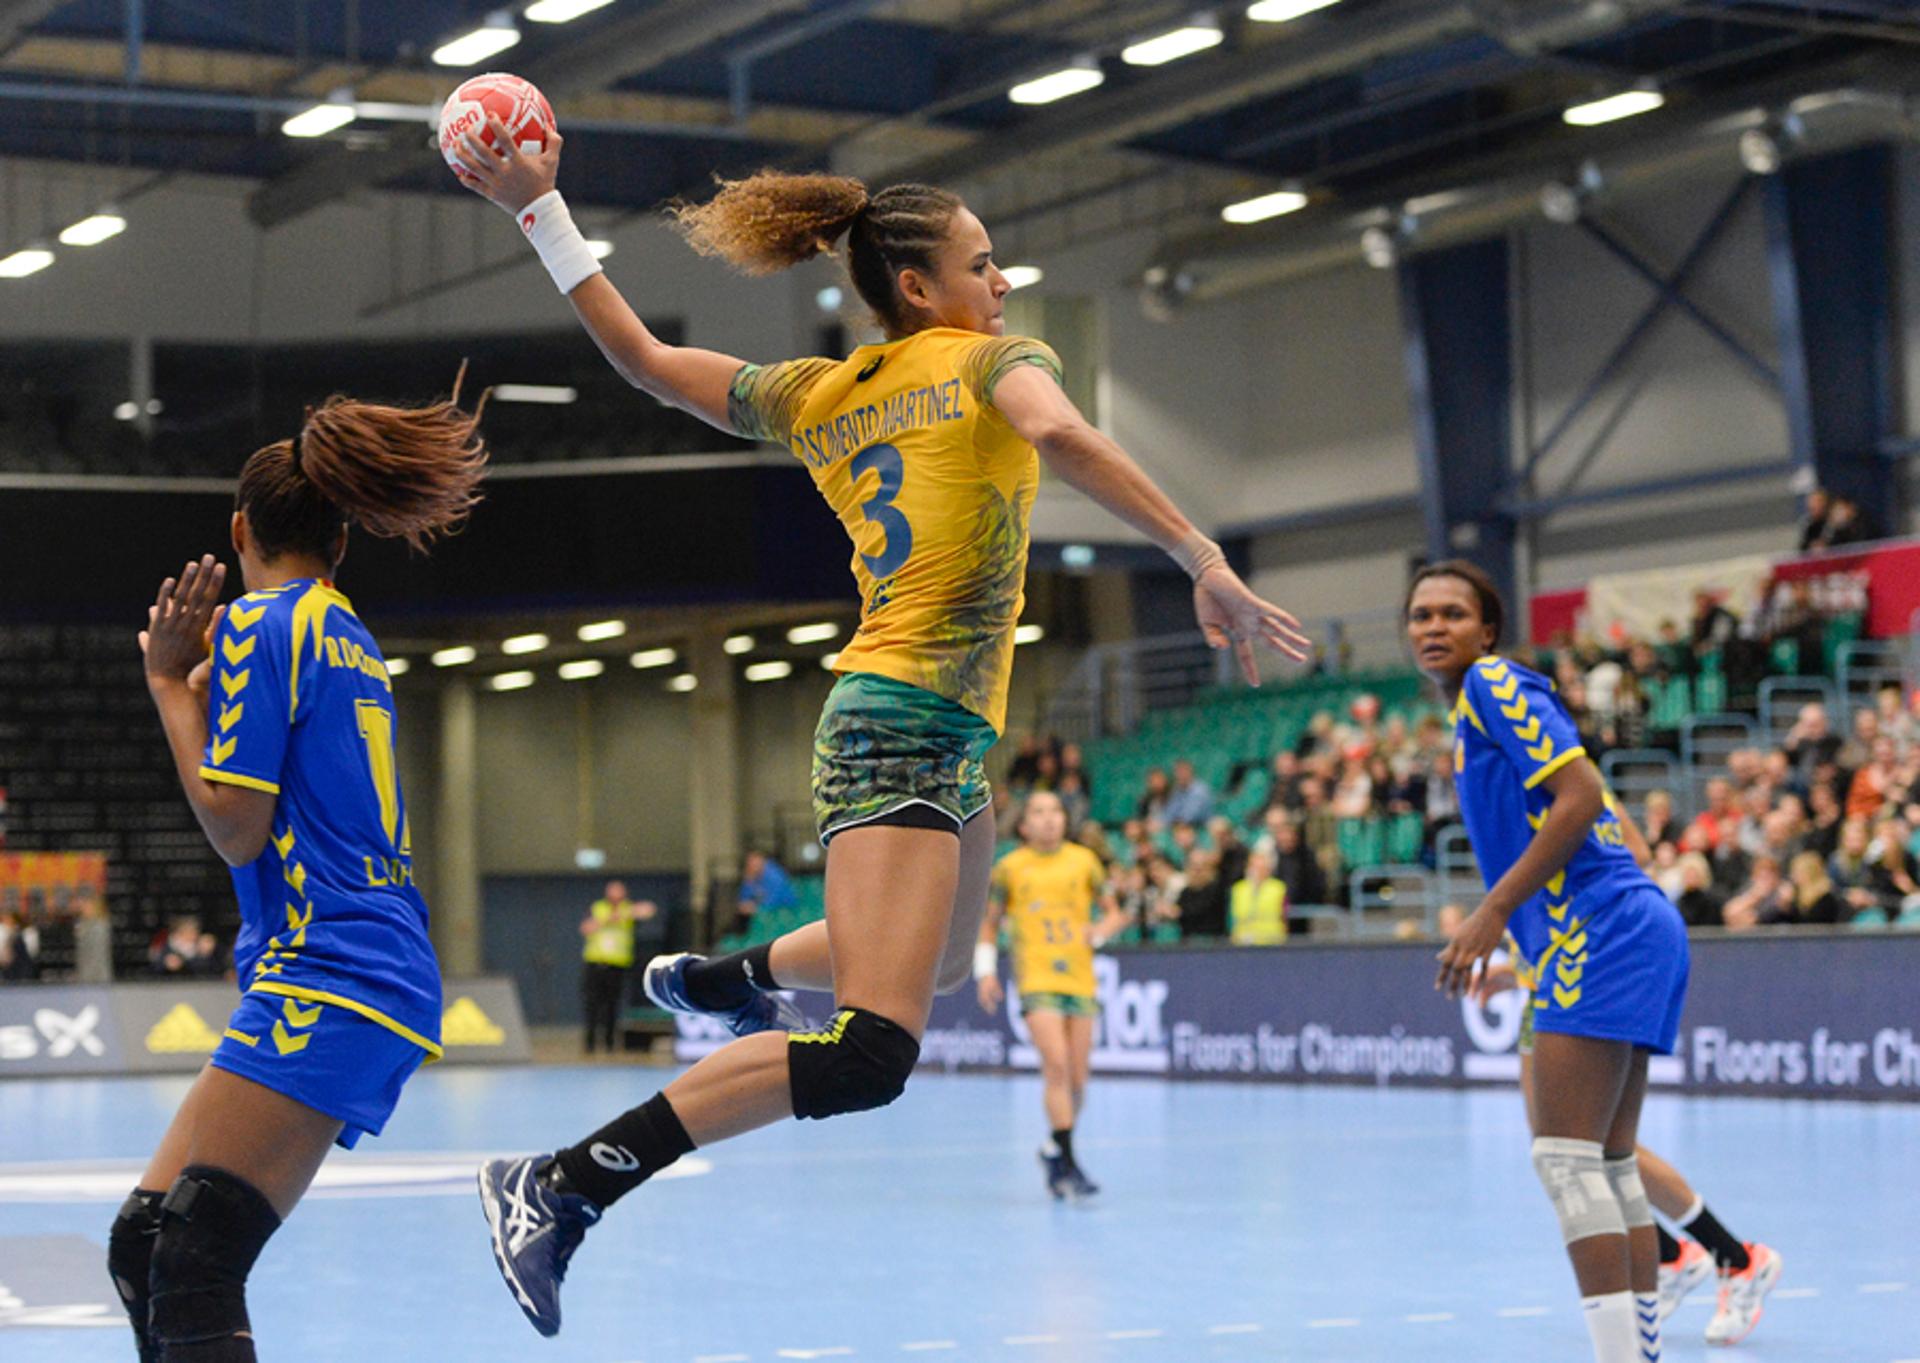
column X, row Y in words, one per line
column 746, row 968
column 615, row 1157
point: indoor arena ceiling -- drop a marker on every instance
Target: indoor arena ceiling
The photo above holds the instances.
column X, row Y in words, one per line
column 1346, row 104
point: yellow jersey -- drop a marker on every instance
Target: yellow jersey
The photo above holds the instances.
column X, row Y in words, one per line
column 1050, row 899
column 611, row 941
column 934, row 489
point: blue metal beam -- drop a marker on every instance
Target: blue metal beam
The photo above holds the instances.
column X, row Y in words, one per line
column 1456, row 324
column 1641, row 327
column 1829, row 257
column 1541, row 508
column 1625, row 254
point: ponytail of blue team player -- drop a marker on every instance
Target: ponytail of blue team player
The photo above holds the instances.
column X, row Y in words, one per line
column 1609, row 950
column 341, row 991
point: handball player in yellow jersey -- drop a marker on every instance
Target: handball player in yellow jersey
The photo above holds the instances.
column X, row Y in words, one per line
column 1047, row 888
column 925, row 446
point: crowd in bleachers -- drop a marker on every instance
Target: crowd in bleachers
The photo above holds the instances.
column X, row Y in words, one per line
column 1292, row 790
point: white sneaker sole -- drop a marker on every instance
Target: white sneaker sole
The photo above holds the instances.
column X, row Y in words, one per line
column 1765, row 1281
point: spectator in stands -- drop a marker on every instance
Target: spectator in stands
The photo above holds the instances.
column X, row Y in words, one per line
column 1811, row 742
column 186, row 950
column 92, row 940
column 1825, row 816
column 1073, row 798
column 1353, row 796
column 1657, row 821
column 1152, row 807
column 1876, row 782
column 1714, row 626
column 1025, row 765
column 1318, row 737
column 1093, row 837
column 1191, row 799
column 1287, row 775
column 1891, row 874
column 1847, row 523
column 1319, row 829
column 1074, row 763
column 1295, row 865
column 1697, row 902
column 1857, row 750
column 1813, row 899
column 1849, row 869
column 1257, row 908
column 1813, row 530
column 1229, row 852
column 1764, row 893
column 19, row 948
column 1046, row 772
column 606, row 955
column 1203, row 899
column 1136, row 844
column 1896, row 720
column 764, row 884
column 1721, row 816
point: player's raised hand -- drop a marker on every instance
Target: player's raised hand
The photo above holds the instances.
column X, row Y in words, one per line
column 175, row 640
column 1231, row 616
column 505, row 175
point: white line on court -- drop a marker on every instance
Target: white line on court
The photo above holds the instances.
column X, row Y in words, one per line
column 1333, row 1323
column 1031, row 1339
column 1795, row 1293
column 920, row 1346
column 837, row 1351
column 1135, row 1334
column 1883, row 1287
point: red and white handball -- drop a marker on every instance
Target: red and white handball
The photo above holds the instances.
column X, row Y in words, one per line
column 517, row 103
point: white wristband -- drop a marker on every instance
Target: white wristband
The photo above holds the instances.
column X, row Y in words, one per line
column 986, row 960
column 1196, row 554
column 565, row 253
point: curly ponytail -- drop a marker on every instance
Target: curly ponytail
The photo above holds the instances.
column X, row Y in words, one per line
column 773, row 220
column 397, row 472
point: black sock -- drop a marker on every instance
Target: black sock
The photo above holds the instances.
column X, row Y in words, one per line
column 729, row 981
column 1063, row 1142
column 1727, row 1251
column 639, row 1144
column 1669, row 1247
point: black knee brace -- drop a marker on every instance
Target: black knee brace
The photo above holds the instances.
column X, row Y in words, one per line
column 858, row 1062
column 130, row 1259
column 213, row 1226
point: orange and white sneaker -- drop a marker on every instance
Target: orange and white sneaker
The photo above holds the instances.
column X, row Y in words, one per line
column 1742, row 1295
column 1677, row 1279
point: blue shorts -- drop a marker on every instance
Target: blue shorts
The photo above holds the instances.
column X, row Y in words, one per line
column 1617, row 975
column 321, row 1055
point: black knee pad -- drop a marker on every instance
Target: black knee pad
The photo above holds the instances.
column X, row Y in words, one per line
column 213, row 1226
column 857, row 1062
column 130, row 1259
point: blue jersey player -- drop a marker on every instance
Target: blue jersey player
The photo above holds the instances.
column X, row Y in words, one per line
column 283, row 736
column 1608, row 949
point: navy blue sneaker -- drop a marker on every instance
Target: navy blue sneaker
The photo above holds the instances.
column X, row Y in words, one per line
column 535, row 1228
column 1059, row 1174
column 1078, row 1184
column 665, row 983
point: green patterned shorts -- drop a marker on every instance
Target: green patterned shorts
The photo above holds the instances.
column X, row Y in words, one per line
column 1067, row 1005
column 886, row 748
column 1526, row 1026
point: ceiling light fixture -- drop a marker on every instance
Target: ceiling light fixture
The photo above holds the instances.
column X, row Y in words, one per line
column 496, row 35
column 1082, row 76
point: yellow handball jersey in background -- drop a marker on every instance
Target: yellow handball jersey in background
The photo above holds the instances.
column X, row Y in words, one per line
column 933, row 487
column 1050, row 898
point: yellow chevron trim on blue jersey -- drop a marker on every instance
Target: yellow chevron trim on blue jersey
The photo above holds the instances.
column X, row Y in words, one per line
column 233, row 683
column 233, row 778
column 310, row 618
column 1528, row 732
column 233, row 1035
column 1551, row 767
column 231, row 716
column 283, row 843
column 235, row 654
column 294, row 991
column 1463, row 706
column 244, row 619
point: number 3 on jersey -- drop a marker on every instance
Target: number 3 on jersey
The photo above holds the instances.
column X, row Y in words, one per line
column 880, row 510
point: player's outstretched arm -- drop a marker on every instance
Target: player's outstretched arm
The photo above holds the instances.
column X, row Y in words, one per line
column 1230, row 615
column 522, row 183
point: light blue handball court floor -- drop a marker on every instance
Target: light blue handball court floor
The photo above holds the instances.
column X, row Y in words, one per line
column 1238, row 1222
